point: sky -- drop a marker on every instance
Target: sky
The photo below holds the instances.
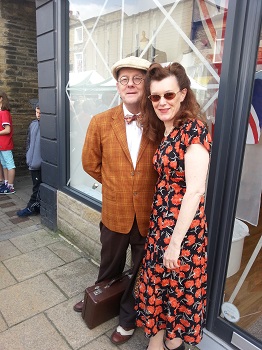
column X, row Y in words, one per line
column 92, row 8
column 89, row 9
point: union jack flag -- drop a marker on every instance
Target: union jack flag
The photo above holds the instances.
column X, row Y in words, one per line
column 214, row 23
column 255, row 117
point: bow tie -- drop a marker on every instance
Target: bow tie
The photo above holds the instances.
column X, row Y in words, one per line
column 130, row 118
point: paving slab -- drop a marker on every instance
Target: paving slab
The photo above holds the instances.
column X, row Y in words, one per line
column 74, row 277
column 65, row 251
column 16, row 231
column 33, row 263
column 28, row 298
column 34, row 334
column 34, row 240
column 21, row 221
column 6, row 279
column 8, row 250
column 3, row 325
column 7, row 204
column 71, row 325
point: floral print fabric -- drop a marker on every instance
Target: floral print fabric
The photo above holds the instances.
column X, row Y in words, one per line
column 174, row 300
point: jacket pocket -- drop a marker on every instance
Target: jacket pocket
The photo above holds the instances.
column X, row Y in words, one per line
column 108, row 194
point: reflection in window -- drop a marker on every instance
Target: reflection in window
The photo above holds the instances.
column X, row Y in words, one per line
column 78, row 35
column 78, row 62
column 190, row 32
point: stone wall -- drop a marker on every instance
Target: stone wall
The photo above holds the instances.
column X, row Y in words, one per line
column 18, row 68
column 79, row 224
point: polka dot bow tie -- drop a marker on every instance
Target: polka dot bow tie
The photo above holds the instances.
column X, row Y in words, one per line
column 130, row 118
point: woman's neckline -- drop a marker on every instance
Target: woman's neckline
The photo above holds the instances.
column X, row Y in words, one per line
column 166, row 133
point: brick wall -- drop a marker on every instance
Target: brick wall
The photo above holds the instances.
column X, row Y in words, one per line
column 18, row 68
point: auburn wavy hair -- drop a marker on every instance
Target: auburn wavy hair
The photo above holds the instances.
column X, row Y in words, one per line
column 153, row 127
column 5, row 101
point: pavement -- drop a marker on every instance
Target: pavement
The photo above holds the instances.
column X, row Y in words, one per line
column 42, row 275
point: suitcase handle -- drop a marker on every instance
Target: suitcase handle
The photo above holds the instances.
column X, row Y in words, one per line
column 126, row 273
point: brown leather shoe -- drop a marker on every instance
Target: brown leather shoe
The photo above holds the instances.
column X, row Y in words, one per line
column 121, row 335
column 78, row 307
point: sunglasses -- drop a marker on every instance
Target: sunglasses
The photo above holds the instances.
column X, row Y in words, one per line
column 168, row 96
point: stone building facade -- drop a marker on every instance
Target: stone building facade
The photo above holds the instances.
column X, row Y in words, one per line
column 18, row 69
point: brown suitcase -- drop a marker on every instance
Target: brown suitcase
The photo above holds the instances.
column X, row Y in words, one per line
column 102, row 301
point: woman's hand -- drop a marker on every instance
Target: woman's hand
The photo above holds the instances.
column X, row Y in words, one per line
column 171, row 256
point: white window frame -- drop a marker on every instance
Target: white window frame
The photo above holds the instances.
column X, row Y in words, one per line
column 78, row 35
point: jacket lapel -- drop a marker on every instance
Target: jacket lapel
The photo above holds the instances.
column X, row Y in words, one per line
column 118, row 125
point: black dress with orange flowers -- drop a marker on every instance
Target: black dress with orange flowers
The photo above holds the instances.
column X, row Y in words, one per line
column 174, row 300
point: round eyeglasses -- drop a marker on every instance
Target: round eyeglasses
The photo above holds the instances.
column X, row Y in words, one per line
column 135, row 80
column 167, row 96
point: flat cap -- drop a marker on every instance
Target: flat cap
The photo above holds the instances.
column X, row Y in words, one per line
column 130, row 62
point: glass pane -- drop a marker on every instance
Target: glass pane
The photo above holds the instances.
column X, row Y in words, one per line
column 243, row 288
column 190, row 32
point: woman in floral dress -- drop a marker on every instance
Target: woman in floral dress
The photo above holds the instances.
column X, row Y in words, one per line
column 171, row 299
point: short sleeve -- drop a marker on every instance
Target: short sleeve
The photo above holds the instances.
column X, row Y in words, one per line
column 6, row 118
column 194, row 132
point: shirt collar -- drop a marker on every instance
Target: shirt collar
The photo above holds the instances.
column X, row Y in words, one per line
column 126, row 111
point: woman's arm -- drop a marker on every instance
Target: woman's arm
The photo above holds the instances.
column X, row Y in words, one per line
column 196, row 169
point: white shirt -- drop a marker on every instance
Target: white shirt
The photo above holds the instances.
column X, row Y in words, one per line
column 133, row 135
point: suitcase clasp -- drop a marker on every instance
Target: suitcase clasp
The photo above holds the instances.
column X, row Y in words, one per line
column 97, row 290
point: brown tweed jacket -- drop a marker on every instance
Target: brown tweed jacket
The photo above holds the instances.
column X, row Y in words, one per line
column 126, row 191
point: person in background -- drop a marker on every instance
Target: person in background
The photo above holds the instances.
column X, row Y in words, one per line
column 117, row 154
column 33, row 160
column 2, row 176
column 6, row 145
column 171, row 295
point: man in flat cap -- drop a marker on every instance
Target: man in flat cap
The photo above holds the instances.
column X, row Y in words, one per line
column 118, row 155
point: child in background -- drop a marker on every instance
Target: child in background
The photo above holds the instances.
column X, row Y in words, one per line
column 6, row 145
column 33, row 160
column 2, row 177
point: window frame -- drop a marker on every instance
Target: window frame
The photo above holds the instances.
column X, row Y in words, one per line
column 78, row 39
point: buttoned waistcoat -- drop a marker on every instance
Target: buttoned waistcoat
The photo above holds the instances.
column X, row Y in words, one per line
column 126, row 192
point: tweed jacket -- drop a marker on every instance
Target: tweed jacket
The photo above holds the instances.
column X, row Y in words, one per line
column 126, row 192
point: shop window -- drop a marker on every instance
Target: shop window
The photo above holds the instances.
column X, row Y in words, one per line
column 188, row 31
column 242, row 291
